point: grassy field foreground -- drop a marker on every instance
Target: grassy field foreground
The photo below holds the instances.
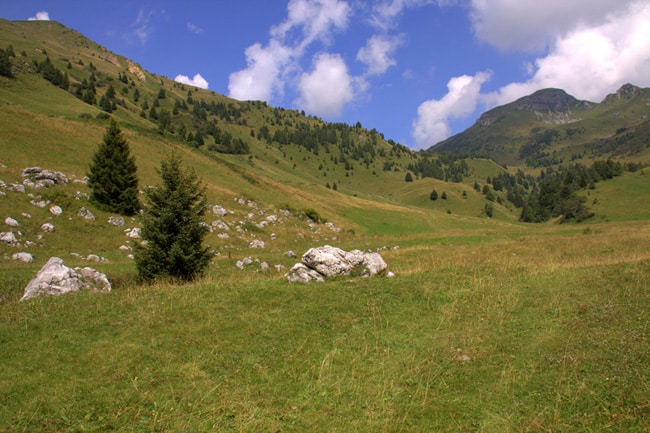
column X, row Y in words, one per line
column 542, row 330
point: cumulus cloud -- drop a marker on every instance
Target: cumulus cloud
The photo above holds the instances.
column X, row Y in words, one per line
column 432, row 123
column 326, row 89
column 532, row 24
column 194, row 28
column 316, row 18
column 262, row 78
column 196, row 81
column 377, row 52
column 40, row 16
column 269, row 67
column 591, row 61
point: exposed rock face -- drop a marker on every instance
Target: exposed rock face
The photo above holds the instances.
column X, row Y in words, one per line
column 55, row 278
column 328, row 261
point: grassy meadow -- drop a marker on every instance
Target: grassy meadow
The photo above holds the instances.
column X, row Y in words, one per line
column 489, row 325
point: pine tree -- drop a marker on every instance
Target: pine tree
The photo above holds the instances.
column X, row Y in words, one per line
column 112, row 177
column 172, row 226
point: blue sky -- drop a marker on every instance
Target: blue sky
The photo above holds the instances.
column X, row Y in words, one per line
column 416, row 70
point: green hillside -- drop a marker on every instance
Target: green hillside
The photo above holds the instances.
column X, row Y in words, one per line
column 490, row 324
column 550, row 128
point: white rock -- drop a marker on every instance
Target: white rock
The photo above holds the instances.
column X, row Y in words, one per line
column 8, row 238
column 11, row 222
column 47, row 227
column 54, row 278
column 259, row 244
column 219, row 210
column 133, row 233
column 23, row 257
column 86, row 214
column 56, row 210
column 116, row 221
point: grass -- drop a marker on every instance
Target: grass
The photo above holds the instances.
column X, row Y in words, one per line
column 511, row 334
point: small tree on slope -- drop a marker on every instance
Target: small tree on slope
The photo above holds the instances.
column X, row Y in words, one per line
column 112, row 178
column 172, row 226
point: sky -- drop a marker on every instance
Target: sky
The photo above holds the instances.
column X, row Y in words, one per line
column 418, row 71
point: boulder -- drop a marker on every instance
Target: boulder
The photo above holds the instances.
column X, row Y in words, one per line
column 328, row 261
column 56, row 210
column 300, row 273
column 54, row 278
column 23, row 257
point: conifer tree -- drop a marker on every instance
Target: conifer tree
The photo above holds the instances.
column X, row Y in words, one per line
column 172, row 226
column 112, row 177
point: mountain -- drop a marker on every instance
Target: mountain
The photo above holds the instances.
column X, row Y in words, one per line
column 551, row 127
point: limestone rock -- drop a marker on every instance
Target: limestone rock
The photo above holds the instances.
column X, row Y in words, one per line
column 328, row 261
column 48, row 227
column 56, row 210
column 300, row 273
column 11, row 222
column 256, row 244
column 86, row 214
column 8, row 238
column 23, row 257
column 54, row 278
column 116, row 221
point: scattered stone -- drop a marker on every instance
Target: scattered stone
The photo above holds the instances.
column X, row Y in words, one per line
column 241, row 264
column 264, row 266
column 116, row 221
column 23, row 257
column 259, row 244
column 25, row 215
column 54, row 278
column 81, row 195
column 16, row 187
column 220, row 225
column 219, row 210
column 223, row 236
column 125, row 248
column 86, row 214
column 290, row 254
column 40, row 203
column 11, row 222
column 8, row 238
column 93, row 258
column 48, row 227
column 279, row 268
column 56, row 210
column 390, row 274
column 133, row 233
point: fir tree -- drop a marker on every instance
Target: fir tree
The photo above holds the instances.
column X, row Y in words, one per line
column 112, row 177
column 172, row 226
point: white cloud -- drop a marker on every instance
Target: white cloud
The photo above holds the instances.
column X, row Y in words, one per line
column 327, row 89
column 377, row 53
column 196, row 81
column 591, row 61
column 270, row 67
column 143, row 25
column 262, row 79
column 316, row 18
column 40, row 16
column 532, row 24
column 432, row 123
column 194, row 28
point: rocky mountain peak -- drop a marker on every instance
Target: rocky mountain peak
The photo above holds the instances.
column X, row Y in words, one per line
column 625, row 92
column 548, row 100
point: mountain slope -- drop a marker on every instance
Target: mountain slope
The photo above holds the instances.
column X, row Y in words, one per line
column 551, row 127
